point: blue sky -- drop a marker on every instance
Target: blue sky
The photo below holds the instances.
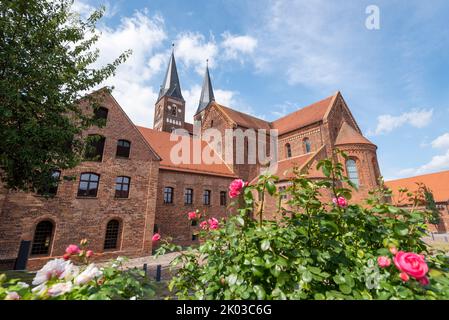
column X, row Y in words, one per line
column 269, row 57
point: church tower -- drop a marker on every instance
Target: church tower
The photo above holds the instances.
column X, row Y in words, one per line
column 169, row 111
column 207, row 96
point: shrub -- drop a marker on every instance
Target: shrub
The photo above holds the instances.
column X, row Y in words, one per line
column 315, row 250
column 75, row 278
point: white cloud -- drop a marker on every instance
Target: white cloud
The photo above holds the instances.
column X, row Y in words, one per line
column 193, row 49
column 416, row 118
column 237, row 46
column 144, row 35
column 441, row 142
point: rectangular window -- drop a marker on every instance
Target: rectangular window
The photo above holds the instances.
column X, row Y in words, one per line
column 206, row 197
column 194, row 237
column 168, row 195
column 88, row 186
column 122, row 187
column 94, row 148
column 123, row 148
column 188, row 196
column 223, row 198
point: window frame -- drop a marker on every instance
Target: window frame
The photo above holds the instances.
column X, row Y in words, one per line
column 117, row 234
column 168, row 196
column 98, row 115
column 223, row 198
column 207, row 195
column 47, row 242
column 188, row 195
column 307, row 145
column 89, row 181
column 288, row 150
column 348, row 172
column 120, row 193
column 122, row 149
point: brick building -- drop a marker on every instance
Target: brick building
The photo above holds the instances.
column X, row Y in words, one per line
column 438, row 185
column 135, row 187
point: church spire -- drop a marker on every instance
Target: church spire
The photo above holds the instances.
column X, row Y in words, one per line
column 207, row 92
column 171, row 86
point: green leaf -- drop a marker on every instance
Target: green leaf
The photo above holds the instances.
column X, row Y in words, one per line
column 307, row 276
column 401, row 230
column 257, row 261
column 271, row 187
column 265, row 245
column 345, row 288
column 260, row 292
column 240, row 221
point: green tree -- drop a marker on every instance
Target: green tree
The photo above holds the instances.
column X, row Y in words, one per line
column 46, row 57
column 432, row 207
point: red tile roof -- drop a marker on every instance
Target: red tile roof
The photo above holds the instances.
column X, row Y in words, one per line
column 303, row 117
column 438, row 183
column 160, row 141
column 300, row 118
column 285, row 167
column 348, row 135
column 245, row 120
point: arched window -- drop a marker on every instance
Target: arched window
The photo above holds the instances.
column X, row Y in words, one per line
column 123, row 148
column 42, row 238
column 351, row 169
column 307, row 145
column 288, row 150
column 112, row 235
column 88, row 184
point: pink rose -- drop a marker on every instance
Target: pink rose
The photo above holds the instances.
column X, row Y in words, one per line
column 404, row 276
column 424, row 281
column 89, row 253
column 340, row 201
column 383, row 262
column 213, row 223
column 393, row 250
column 192, row 215
column 204, row 225
column 156, row 237
column 235, row 188
column 12, row 296
column 411, row 263
column 72, row 249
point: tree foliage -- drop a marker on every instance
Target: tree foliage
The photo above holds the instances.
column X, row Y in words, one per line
column 46, row 58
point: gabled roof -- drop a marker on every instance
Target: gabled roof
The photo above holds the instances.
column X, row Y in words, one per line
column 285, row 166
column 171, row 86
column 348, row 135
column 295, row 120
column 207, row 93
column 303, row 117
column 243, row 119
column 438, row 183
column 160, row 141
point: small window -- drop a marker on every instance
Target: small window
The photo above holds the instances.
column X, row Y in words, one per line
column 42, row 238
column 101, row 113
column 52, row 188
column 188, row 196
column 94, row 148
column 173, row 110
column 223, row 198
column 88, row 186
column 168, row 195
column 112, row 235
column 194, row 237
column 123, row 148
column 122, row 187
column 307, row 145
column 194, row 222
column 206, row 197
column 288, row 150
column 351, row 168
column 211, row 123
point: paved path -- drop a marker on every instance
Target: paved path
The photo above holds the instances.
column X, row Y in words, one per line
column 151, row 261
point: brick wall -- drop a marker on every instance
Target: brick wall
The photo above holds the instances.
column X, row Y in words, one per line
column 75, row 218
column 171, row 219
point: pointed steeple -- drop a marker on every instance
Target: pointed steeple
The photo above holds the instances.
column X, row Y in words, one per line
column 171, row 86
column 207, row 92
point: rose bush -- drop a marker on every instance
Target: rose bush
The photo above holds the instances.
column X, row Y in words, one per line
column 314, row 250
column 74, row 277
